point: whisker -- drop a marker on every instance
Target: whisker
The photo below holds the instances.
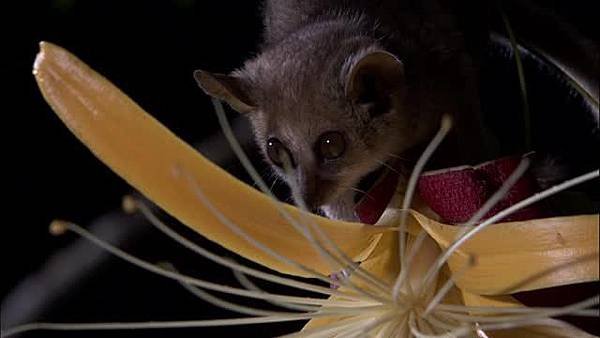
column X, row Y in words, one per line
column 396, row 156
column 357, row 270
column 385, row 164
column 355, row 311
column 364, row 193
column 303, row 229
column 275, row 181
column 239, row 231
column 236, row 229
column 245, row 161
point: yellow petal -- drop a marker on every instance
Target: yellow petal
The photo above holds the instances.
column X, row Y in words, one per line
column 382, row 262
column 528, row 255
column 320, row 322
column 471, row 299
column 558, row 330
column 147, row 156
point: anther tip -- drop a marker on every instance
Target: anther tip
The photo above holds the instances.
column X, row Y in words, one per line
column 58, row 227
column 446, row 123
column 166, row 265
column 129, row 204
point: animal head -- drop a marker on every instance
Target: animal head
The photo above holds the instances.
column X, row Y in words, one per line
column 336, row 115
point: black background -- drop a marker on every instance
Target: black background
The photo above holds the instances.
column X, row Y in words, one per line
column 149, row 50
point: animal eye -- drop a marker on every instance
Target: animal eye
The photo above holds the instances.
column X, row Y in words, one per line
column 331, row 145
column 277, row 152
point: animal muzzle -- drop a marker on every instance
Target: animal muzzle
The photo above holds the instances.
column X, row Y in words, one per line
column 314, row 191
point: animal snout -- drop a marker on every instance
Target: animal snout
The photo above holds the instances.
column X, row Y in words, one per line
column 314, row 191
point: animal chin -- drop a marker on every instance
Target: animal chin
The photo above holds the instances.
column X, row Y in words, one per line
column 379, row 187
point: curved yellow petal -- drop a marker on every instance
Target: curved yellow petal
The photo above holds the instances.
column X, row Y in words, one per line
column 471, row 299
column 320, row 322
column 558, row 330
column 382, row 262
column 519, row 256
column 147, row 156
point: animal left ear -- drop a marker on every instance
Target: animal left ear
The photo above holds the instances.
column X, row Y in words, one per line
column 227, row 88
column 373, row 79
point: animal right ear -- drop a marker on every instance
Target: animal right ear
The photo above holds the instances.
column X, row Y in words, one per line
column 373, row 79
column 225, row 87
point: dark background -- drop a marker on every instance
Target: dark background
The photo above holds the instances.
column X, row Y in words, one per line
column 149, row 50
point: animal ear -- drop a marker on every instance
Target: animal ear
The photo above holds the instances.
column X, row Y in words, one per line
column 225, row 87
column 373, row 79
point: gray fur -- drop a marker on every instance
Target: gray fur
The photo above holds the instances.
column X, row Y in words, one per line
column 295, row 88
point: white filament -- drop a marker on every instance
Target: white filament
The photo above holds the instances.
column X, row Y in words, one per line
column 445, row 126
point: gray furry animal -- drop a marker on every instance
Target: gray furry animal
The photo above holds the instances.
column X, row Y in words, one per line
column 342, row 87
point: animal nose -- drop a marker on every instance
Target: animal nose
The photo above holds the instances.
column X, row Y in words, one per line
column 308, row 192
column 313, row 190
column 307, row 189
column 312, row 202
